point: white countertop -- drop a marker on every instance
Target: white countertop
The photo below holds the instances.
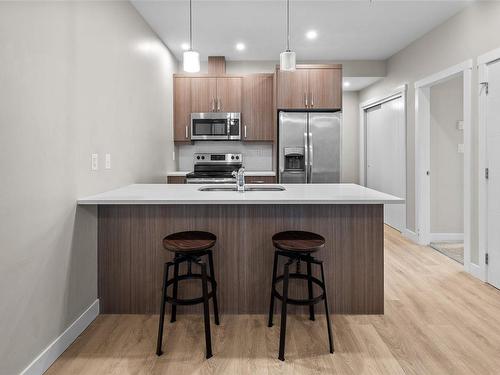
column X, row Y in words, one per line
column 247, row 173
column 189, row 194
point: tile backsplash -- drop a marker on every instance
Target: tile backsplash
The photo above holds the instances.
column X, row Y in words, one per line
column 256, row 156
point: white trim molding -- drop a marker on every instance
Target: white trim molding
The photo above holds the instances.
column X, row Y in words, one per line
column 443, row 237
column 422, row 152
column 481, row 269
column 412, row 236
column 48, row 356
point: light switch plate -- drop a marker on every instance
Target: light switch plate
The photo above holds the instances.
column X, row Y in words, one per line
column 460, row 148
column 94, row 162
column 107, row 164
column 460, row 125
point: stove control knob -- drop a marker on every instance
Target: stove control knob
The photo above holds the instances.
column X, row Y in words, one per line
column 202, row 158
column 232, row 157
column 237, row 157
column 198, row 157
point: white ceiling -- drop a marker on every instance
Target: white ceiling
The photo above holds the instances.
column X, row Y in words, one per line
column 347, row 30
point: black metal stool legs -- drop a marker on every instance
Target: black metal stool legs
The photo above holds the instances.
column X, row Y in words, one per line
column 310, row 289
column 174, row 300
column 328, row 324
column 285, row 299
column 206, row 312
column 271, row 304
column 214, row 286
column 281, row 355
column 173, row 315
column 162, row 308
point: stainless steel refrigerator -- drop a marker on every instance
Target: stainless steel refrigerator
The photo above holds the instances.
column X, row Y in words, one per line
column 309, row 147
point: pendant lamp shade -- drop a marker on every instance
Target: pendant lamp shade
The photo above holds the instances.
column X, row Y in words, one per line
column 287, row 60
column 191, row 61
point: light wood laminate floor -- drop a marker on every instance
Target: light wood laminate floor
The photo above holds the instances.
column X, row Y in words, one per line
column 438, row 320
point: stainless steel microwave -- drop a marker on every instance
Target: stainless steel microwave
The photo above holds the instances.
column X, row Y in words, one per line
column 215, row 126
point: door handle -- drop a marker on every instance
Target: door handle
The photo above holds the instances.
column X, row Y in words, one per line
column 306, row 155
column 187, row 132
column 311, row 158
column 305, row 98
column 245, row 131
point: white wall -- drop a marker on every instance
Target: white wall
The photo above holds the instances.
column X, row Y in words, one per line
column 350, row 137
column 447, row 164
column 75, row 78
column 469, row 34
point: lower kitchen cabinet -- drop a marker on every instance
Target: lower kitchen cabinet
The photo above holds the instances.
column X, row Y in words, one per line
column 176, row 179
column 260, row 179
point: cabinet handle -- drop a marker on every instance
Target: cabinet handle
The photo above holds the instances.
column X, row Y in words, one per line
column 218, row 105
column 213, row 104
column 245, row 131
column 305, row 98
column 187, row 132
column 312, row 100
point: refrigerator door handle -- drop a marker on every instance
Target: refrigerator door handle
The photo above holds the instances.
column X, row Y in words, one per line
column 311, row 158
column 306, row 161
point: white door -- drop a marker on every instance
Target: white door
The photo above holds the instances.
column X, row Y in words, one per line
column 385, row 156
column 493, row 163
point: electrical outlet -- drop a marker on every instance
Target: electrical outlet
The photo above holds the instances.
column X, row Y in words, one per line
column 94, row 162
column 107, row 161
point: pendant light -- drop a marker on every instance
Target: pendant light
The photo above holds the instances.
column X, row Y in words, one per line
column 287, row 58
column 190, row 58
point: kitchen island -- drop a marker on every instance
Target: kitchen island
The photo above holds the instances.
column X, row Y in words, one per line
column 133, row 220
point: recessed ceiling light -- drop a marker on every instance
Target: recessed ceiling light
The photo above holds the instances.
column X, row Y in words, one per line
column 240, row 46
column 347, row 83
column 185, row 46
column 312, row 34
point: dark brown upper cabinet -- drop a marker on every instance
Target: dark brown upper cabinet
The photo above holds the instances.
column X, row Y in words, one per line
column 310, row 87
column 257, row 109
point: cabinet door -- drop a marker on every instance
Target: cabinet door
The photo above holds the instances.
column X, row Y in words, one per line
column 325, row 88
column 229, row 94
column 182, row 108
column 257, row 112
column 292, row 89
column 203, row 94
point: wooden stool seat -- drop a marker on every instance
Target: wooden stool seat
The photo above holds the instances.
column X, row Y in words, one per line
column 298, row 241
column 189, row 241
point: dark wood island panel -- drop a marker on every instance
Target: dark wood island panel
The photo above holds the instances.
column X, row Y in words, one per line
column 131, row 257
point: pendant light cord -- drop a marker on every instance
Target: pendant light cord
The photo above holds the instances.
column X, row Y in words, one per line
column 288, row 25
column 190, row 26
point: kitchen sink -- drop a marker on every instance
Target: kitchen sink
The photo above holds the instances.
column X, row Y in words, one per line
column 248, row 187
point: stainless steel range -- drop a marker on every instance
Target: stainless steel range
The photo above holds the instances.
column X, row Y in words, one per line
column 214, row 168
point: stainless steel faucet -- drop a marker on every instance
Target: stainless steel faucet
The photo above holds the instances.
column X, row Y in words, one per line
column 240, row 179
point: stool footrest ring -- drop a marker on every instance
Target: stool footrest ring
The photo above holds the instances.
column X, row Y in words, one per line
column 305, row 302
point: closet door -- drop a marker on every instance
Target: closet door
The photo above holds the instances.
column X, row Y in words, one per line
column 385, row 156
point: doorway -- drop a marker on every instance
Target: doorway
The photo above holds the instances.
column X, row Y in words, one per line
column 489, row 171
column 443, row 168
column 447, row 168
column 384, row 145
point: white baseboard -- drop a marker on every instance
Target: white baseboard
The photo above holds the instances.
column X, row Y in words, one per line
column 412, row 236
column 438, row 237
column 46, row 358
column 477, row 272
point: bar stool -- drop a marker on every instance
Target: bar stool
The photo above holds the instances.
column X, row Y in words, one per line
column 298, row 246
column 189, row 247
